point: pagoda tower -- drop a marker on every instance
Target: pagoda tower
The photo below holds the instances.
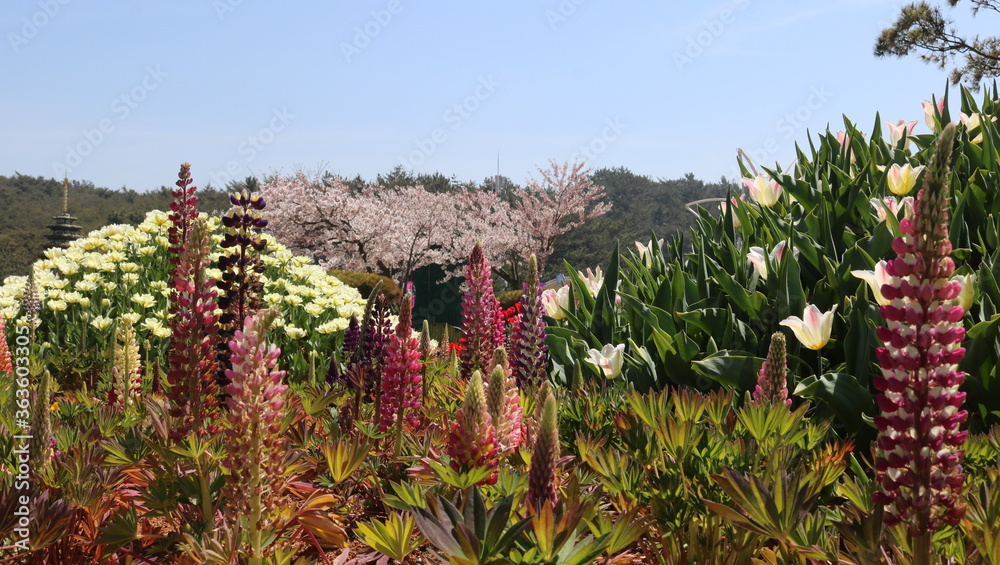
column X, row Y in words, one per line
column 63, row 228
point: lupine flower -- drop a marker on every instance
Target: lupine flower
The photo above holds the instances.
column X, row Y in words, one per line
column 889, row 205
column 482, row 322
column 918, row 466
column 528, row 349
column 556, row 302
column 503, row 400
column 929, row 117
column 973, row 122
column 370, row 356
column 127, row 368
column 764, row 190
column 772, row 382
column 192, row 304
column 253, row 442
column 876, row 280
column 759, row 260
column 646, row 251
column 901, row 130
column 610, row 359
column 241, row 265
column 472, row 442
column 6, row 366
column 813, row 329
column 542, row 486
column 401, row 392
column 902, row 178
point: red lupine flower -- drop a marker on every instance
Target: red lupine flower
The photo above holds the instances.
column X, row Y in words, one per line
column 401, row 381
column 918, row 467
column 5, row 361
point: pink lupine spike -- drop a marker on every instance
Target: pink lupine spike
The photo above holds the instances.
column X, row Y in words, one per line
column 482, row 319
column 918, row 466
column 772, row 383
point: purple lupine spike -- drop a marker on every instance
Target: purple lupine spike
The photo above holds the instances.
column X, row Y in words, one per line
column 482, row 319
column 918, row 467
column 401, row 392
column 348, row 349
column 372, row 352
column 528, row 349
column 772, row 381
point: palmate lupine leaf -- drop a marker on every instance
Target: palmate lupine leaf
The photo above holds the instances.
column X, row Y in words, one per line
column 776, row 514
column 472, row 535
column 393, row 537
column 344, row 456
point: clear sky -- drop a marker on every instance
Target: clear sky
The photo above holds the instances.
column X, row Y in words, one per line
column 120, row 92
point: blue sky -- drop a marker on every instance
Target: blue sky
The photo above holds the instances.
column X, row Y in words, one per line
column 119, row 93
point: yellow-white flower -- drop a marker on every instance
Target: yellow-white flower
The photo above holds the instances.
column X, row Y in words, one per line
column 313, row 308
column 902, row 178
column 875, row 279
column 101, row 322
column 814, row 328
column 131, row 317
column 73, row 297
column 85, row 285
column 764, row 190
column 295, row 332
column 156, row 327
column 272, row 298
column 610, row 359
column 556, row 302
column 968, row 294
column 144, row 300
column 128, row 267
column 56, row 305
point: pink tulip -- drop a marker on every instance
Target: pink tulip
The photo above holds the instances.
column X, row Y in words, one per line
column 901, row 130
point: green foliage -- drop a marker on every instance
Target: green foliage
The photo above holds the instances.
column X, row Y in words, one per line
column 393, row 538
column 366, row 282
column 691, row 311
column 31, row 202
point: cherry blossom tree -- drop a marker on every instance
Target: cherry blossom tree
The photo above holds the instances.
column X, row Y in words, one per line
column 561, row 200
column 394, row 230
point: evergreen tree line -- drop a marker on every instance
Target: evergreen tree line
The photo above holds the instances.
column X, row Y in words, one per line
column 640, row 205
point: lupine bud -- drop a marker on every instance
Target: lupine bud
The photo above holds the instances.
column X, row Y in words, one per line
column 482, row 320
column 472, row 442
column 504, row 403
column 542, row 475
column 918, row 467
column 127, row 368
column 528, row 349
column 772, row 386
